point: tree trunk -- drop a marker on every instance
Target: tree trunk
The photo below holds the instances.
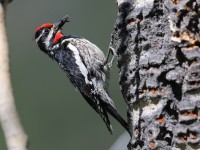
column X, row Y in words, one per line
column 158, row 49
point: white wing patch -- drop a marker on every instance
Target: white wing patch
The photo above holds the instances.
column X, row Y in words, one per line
column 79, row 62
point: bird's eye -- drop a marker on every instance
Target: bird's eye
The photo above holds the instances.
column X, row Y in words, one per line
column 46, row 30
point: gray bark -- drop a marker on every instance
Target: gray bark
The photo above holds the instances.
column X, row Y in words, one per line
column 158, row 49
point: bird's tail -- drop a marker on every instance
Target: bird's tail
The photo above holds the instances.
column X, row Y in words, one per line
column 105, row 118
column 112, row 111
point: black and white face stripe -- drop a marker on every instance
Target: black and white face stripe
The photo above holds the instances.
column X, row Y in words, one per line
column 39, row 36
column 42, row 32
column 44, row 39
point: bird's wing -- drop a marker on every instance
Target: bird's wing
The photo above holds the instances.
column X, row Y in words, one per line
column 91, row 56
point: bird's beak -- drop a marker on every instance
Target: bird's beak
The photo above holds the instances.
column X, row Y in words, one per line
column 58, row 25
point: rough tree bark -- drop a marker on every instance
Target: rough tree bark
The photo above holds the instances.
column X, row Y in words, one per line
column 15, row 137
column 158, row 49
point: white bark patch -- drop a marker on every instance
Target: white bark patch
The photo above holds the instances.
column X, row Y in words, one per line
column 79, row 62
column 143, row 3
column 137, row 3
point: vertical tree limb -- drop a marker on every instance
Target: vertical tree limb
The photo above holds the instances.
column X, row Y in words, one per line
column 15, row 136
column 158, row 47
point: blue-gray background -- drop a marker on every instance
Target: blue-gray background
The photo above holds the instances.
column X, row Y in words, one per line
column 54, row 115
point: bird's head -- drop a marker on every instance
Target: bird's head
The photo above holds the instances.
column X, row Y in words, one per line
column 48, row 34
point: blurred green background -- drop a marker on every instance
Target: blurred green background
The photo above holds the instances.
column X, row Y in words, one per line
column 54, row 115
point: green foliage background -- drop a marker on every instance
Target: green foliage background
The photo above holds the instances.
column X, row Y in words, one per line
column 53, row 114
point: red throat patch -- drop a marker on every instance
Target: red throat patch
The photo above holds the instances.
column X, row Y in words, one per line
column 58, row 36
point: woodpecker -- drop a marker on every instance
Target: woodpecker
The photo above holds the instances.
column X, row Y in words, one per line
column 84, row 64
